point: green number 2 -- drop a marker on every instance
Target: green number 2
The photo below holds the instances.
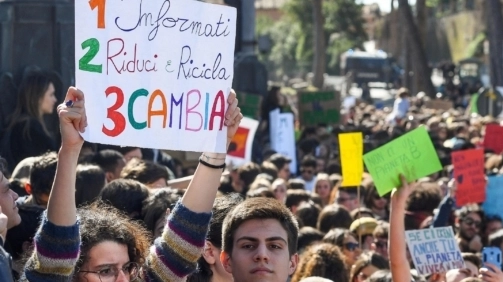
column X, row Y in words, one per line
column 94, row 46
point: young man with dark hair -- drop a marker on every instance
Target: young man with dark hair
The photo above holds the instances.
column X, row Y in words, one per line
column 282, row 163
column 260, row 241
column 308, row 172
column 111, row 161
column 247, row 174
column 41, row 177
column 146, row 172
column 296, row 197
column 126, row 195
column 469, row 221
column 270, row 169
column 129, row 153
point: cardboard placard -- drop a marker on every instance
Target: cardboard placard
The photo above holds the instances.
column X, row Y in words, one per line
column 470, row 176
column 434, row 250
column 351, row 151
column 494, row 193
column 156, row 73
column 240, row 149
column 319, row 107
column 249, row 104
column 493, row 138
column 282, row 132
column 412, row 155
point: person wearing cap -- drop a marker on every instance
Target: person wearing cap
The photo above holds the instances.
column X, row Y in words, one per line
column 364, row 229
column 400, row 106
column 282, row 163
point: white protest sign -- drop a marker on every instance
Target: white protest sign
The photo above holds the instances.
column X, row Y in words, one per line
column 240, row 149
column 282, row 134
column 434, row 250
column 156, row 74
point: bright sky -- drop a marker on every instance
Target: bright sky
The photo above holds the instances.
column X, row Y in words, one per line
column 383, row 4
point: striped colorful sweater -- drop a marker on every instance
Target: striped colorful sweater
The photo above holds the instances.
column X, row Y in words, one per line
column 172, row 257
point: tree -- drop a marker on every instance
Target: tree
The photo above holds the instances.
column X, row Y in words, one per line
column 319, row 60
column 293, row 36
column 417, row 52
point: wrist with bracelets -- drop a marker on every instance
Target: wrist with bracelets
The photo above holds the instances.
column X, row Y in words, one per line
column 213, row 160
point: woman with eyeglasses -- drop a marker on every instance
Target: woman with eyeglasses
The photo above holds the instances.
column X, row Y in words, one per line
column 347, row 242
column 366, row 265
column 100, row 245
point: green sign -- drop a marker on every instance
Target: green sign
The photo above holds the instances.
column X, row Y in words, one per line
column 249, row 104
column 412, row 155
column 321, row 107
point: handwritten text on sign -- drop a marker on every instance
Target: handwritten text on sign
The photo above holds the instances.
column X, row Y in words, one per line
column 412, row 155
column 434, row 250
column 156, row 73
column 470, row 176
column 282, row 134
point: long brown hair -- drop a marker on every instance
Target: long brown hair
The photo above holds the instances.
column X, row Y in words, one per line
column 31, row 91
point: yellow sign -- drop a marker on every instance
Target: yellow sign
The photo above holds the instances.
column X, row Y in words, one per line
column 351, row 152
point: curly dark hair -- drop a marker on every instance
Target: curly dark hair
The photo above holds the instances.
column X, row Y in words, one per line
column 324, row 260
column 100, row 222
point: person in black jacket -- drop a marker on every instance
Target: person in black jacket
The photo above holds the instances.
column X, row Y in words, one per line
column 29, row 135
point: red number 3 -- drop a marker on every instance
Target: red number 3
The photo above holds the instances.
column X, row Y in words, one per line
column 113, row 114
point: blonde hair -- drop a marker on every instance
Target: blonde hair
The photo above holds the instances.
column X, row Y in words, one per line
column 322, row 177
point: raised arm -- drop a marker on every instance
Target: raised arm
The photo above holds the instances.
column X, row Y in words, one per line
column 202, row 190
column 57, row 242
column 61, row 208
column 400, row 268
column 175, row 254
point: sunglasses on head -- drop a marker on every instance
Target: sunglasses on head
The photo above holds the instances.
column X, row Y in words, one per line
column 471, row 222
column 351, row 246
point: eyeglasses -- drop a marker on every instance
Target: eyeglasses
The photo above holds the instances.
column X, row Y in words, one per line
column 381, row 244
column 307, row 171
column 110, row 272
column 351, row 246
column 471, row 222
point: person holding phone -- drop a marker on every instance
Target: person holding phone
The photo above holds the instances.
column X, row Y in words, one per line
column 491, row 273
column 492, row 262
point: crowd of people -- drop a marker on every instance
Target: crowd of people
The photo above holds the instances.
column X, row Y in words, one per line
column 90, row 212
